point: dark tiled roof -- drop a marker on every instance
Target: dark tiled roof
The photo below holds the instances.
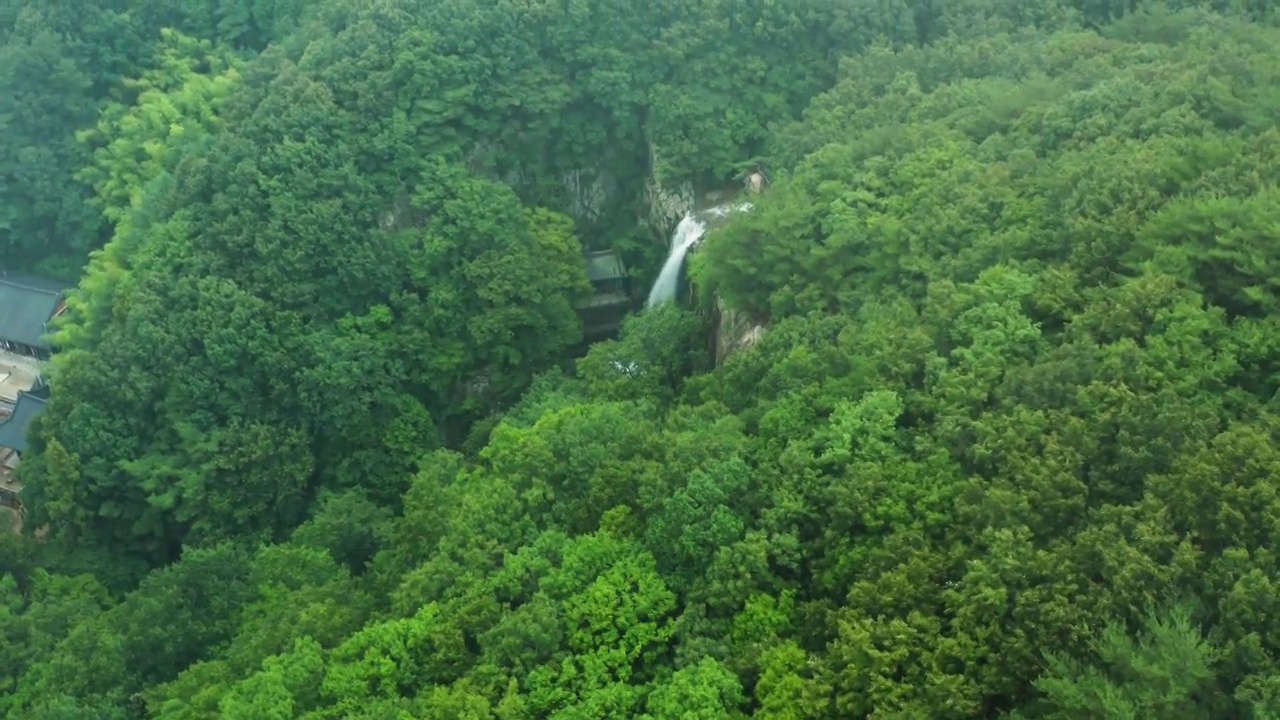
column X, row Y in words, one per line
column 26, row 304
column 605, row 265
column 13, row 430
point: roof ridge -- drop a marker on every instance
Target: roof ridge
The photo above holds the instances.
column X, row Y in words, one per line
column 24, row 286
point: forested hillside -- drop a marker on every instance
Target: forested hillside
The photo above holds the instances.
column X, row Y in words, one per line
column 324, row 441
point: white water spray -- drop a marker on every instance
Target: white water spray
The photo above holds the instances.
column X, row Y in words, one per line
column 688, row 233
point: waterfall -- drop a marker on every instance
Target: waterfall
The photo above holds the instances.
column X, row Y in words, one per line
column 688, row 233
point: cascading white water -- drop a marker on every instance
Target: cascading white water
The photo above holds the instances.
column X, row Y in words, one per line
column 687, row 234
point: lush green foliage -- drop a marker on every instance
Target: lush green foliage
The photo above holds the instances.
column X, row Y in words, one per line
column 62, row 66
column 1007, row 446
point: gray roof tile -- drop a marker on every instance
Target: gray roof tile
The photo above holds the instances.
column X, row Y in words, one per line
column 605, row 265
column 26, row 304
column 13, row 430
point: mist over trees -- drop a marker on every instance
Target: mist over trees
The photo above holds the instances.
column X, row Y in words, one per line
column 325, row 439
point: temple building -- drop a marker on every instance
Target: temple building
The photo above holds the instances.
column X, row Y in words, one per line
column 602, row 313
column 27, row 305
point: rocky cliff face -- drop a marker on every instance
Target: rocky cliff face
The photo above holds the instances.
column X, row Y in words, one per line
column 666, row 202
column 590, row 192
column 593, row 192
column 666, row 205
column 734, row 331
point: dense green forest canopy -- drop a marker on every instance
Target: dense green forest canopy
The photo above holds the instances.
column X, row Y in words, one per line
column 324, row 441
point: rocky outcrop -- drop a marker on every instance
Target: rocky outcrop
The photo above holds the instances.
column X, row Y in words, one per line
column 666, row 203
column 735, row 331
column 590, row 190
